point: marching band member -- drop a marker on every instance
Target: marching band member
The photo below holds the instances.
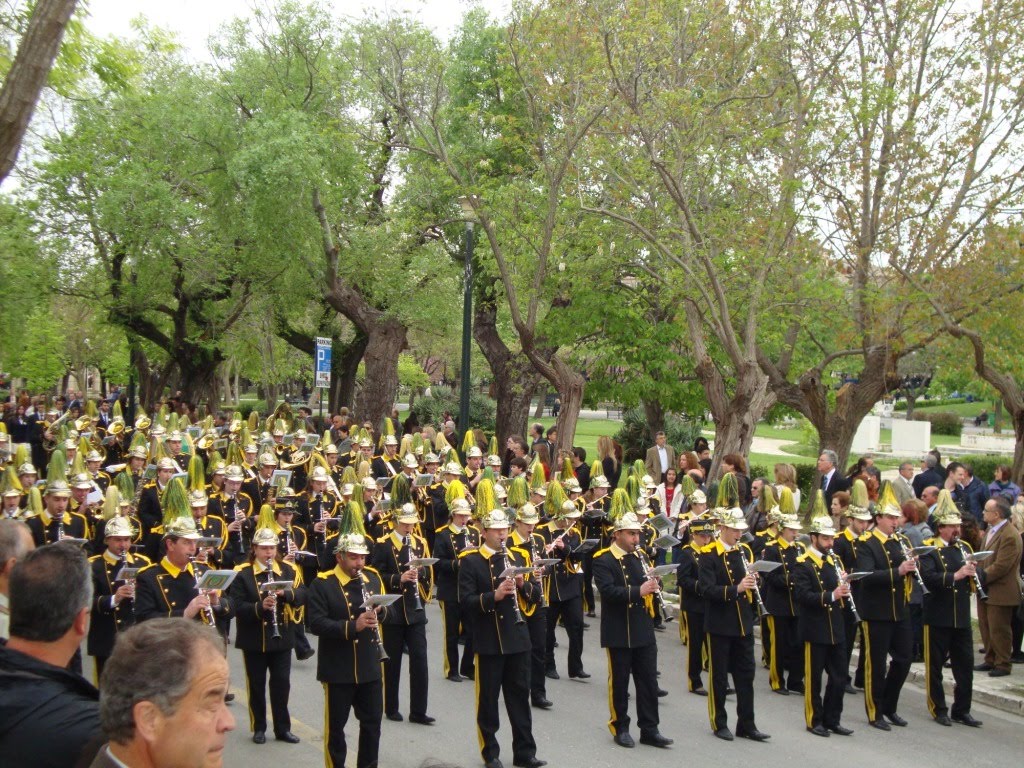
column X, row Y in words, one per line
column 449, row 542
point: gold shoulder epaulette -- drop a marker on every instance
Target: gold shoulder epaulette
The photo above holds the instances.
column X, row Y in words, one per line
column 602, row 551
column 744, row 546
column 243, row 566
column 438, row 530
column 146, row 568
column 803, row 558
column 324, row 574
column 866, row 536
column 95, row 557
column 465, row 552
column 383, row 538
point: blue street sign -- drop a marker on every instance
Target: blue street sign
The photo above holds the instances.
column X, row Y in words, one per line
column 322, row 363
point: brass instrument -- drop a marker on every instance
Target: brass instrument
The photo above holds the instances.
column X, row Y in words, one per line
column 407, row 546
column 382, row 655
column 969, row 558
column 842, row 580
column 275, row 631
column 515, row 593
column 659, row 598
column 909, row 555
column 762, row 611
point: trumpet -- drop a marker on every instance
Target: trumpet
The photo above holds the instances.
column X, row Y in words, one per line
column 843, row 580
column 515, row 594
column 909, row 555
column 761, row 609
column 969, row 558
column 659, row 598
column 382, row 655
column 275, row 630
column 407, row 546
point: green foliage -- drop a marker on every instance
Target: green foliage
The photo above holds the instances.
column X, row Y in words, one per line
column 42, row 360
column 411, row 373
column 943, row 423
column 26, row 274
column 431, row 410
column 933, row 402
column 635, row 436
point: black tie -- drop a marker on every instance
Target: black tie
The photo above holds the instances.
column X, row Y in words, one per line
column 824, row 482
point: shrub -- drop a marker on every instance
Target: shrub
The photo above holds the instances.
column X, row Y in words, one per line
column 246, row 407
column 430, row 410
column 943, row 423
column 934, row 402
column 635, row 435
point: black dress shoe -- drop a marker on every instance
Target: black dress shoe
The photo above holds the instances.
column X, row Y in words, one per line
column 699, row 692
column 306, row 654
column 896, row 720
column 395, row 717
column 581, row 675
column 1017, row 658
column 998, row 672
column 624, row 740
column 287, row 737
column 659, row 628
column 820, row 730
column 983, row 667
column 944, row 720
column 541, row 703
column 967, row 719
column 799, row 689
column 781, row 691
column 552, row 674
column 591, row 615
column 455, row 677
column 259, row 737
column 880, row 724
column 228, row 698
column 655, row 739
column 850, row 689
column 530, row 762
column 724, row 734
column 839, row 730
column 422, row 719
column 730, row 691
column 662, row 693
column 495, row 763
column 753, row 734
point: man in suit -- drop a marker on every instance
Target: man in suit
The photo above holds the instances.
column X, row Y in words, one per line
column 999, row 577
column 149, row 717
column 660, row 457
column 831, row 479
column 930, row 475
column 901, row 484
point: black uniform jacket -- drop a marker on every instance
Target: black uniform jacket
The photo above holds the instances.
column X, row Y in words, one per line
column 494, row 623
column 46, row 529
column 778, row 584
column 255, row 623
column 164, row 591
column 820, row 617
column 882, row 595
column 563, row 581
column 390, row 558
column 727, row 611
column 333, row 602
column 687, row 578
column 107, row 620
column 448, row 544
column 948, row 602
column 625, row 616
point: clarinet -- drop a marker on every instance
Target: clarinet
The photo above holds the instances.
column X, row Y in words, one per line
column 319, row 499
column 761, row 610
column 515, row 594
column 60, row 527
column 382, row 655
column 908, row 555
column 659, row 598
column 969, row 557
column 208, row 610
column 839, row 575
column 239, row 516
column 544, row 603
column 407, row 546
column 129, row 582
column 275, row 631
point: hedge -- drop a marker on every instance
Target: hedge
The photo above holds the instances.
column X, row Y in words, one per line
column 934, row 402
column 943, row 423
column 635, row 435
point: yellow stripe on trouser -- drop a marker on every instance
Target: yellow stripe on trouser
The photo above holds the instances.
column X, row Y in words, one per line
column 869, row 694
column 711, row 684
column 327, row 728
column 928, row 672
column 774, row 676
column 248, row 698
column 684, row 629
column 444, row 635
column 476, row 680
column 808, row 704
column 611, row 696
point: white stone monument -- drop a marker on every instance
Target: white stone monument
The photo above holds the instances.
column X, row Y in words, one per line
column 869, row 435
column 911, row 438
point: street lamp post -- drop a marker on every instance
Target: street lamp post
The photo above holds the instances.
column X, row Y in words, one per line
column 469, row 214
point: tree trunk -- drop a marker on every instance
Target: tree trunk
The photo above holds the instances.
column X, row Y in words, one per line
column 377, row 396
column 27, row 76
column 197, row 373
column 655, row 416
column 344, row 365
column 1018, row 447
column 542, row 395
column 911, row 402
column 570, row 385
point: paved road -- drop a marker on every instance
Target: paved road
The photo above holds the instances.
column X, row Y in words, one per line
column 574, row 733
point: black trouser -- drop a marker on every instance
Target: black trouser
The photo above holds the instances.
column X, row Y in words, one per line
column 589, row 603
column 509, row 675
column 365, row 699
column 785, row 660
column 642, row 664
column 101, row 662
column 883, row 639
column 301, row 641
column 413, row 638
column 917, row 630
column 956, row 643
column 731, row 655
column 279, row 664
column 695, row 649
column 850, row 626
column 571, row 613
column 537, row 624
column 830, row 659
column 451, row 618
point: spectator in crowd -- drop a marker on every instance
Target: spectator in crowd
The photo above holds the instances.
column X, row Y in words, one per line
column 839, row 508
column 930, row 496
column 831, row 479
column 785, row 476
column 734, row 463
column 543, row 454
column 755, row 516
column 970, row 494
column 1000, row 575
column 669, row 494
column 551, row 437
column 580, row 467
column 688, row 461
column 15, row 543
column 660, row 457
column 1002, row 484
column 536, row 435
column 163, row 698
column 902, row 484
column 609, row 461
column 49, row 716
column 930, row 475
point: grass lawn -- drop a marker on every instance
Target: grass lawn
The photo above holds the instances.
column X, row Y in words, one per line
column 587, row 432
